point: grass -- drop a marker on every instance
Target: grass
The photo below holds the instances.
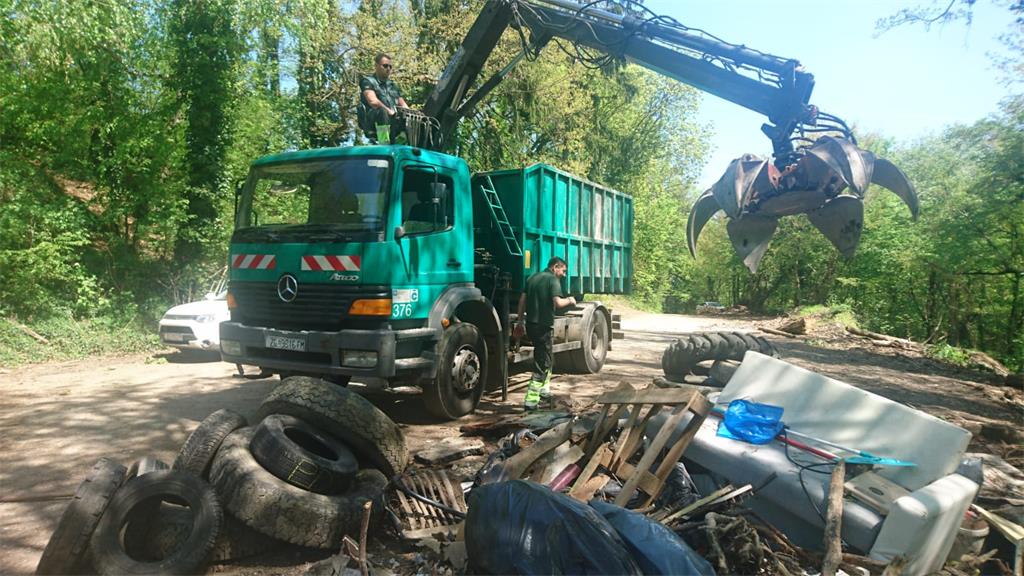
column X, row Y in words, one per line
column 949, row 354
column 70, row 339
column 839, row 313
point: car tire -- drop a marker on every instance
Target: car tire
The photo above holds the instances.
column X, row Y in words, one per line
column 67, row 547
column 132, row 504
column 373, row 437
column 171, row 528
column 461, row 373
column 303, row 456
column 277, row 509
column 201, row 445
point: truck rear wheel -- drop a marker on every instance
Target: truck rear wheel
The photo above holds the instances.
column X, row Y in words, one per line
column 461, row 371
column 589, row 357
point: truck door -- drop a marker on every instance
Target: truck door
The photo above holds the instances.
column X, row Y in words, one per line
column 435, row 254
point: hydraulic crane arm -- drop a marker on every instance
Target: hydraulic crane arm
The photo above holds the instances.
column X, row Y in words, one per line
column 775, row 87
column 825, row 178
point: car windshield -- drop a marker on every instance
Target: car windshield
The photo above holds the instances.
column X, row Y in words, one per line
column 346, row 197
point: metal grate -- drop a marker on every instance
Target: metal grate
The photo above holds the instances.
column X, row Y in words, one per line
column 316, row 307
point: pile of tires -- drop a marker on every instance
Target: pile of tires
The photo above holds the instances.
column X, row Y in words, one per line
column 683, row 355
column 301, row 475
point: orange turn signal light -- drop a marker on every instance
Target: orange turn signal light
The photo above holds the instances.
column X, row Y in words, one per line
column 375, row 307
column 232, row 303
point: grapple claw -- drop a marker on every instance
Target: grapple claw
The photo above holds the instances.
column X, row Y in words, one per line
column 888, row 176
column 702, row 211
column 750, row 237
column 826, row 182
column 734, row 189
column 846, row 160
column 841, row 220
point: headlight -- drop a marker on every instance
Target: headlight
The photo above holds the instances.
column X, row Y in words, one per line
column 358, row 358
column 204, row 318
column 231, row 347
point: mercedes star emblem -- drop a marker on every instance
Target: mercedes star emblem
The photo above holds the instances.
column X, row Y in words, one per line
column 287, row 288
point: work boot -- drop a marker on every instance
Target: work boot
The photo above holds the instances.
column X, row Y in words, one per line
column 545, row 389
column 533, row 395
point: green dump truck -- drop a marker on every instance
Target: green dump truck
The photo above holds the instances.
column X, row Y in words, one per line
column 395, row 266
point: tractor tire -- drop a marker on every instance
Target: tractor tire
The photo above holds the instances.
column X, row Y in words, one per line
column 132, row 506
column 201, row 445
column 302, row 455
column 682, row 355
column 461, row 371
column 277, row 509
column 374, row 438
column 170, row 531
column 590, row 356
column 66, row 550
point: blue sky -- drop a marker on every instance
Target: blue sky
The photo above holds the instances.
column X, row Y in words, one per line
column 907, row 83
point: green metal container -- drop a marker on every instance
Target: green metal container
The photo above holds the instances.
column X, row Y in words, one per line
column 553, row 213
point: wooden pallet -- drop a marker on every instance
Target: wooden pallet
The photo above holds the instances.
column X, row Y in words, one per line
column 642, row 405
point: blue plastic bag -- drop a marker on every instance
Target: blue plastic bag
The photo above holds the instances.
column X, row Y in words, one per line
column 751, row 422
column 655, row 548
column 520, row 527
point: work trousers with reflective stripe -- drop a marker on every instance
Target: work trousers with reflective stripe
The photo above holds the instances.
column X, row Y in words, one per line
column 541, row 336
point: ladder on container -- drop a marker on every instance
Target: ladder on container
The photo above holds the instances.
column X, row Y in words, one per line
column 499, row 217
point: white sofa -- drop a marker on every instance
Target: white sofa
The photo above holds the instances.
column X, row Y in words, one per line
column 920, row 526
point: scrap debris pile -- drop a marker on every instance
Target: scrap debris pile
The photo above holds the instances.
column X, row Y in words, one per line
column 662, row 480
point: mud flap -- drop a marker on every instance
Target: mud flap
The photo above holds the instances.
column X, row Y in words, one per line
column 750, row 237
column 841, row 221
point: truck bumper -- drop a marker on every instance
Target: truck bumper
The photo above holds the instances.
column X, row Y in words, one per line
column 400, row 353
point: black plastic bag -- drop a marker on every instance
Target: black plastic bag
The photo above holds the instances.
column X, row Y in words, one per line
column 521, row 527
column 653, row 546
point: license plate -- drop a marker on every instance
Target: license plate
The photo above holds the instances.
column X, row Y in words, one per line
column 285, row 343
column 174, row 337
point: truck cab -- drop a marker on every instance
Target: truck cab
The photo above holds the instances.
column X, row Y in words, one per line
column 339, row 255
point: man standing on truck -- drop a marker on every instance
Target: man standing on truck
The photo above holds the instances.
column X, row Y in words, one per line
column 539, row 302
column 379, row 98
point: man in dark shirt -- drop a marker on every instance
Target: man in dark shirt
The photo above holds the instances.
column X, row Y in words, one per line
column 539, row 302
column 379, row 98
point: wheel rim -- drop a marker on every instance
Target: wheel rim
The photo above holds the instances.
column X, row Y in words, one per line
column 597, row 350
column 465, row 370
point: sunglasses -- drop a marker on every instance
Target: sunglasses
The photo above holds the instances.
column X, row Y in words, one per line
column 388, row 66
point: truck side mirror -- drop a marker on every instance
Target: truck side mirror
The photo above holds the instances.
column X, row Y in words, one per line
column 439, row 191
column 399, row 233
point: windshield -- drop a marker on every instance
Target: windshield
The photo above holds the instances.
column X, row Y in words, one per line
column 346, row 196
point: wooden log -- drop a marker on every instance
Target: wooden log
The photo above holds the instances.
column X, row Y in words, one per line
column 28, row 331
column 776, row 332
column 797, row 326
column 833, row 521
column 711, row 527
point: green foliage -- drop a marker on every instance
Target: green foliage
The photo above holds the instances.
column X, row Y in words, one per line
column 949, row 354
column 72, row 339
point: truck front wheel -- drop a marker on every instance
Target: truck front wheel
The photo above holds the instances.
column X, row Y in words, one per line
column 461, row 371
column 589, row 358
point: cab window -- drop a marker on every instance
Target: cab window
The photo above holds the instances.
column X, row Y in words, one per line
column 426, row 201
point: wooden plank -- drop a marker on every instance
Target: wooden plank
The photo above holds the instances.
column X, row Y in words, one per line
column 590, row 468
column 586, row 492
column 652, row 452
column 649, row 483
column 699, row 406
column 647, row 396
column 699, row 503
column 514, row 467
column 449, row 450
column 636, row 439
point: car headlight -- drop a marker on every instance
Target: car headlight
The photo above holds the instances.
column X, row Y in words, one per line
column 358, row 358
column 204, row 318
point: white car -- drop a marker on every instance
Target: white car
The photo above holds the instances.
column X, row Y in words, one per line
column 195, row 325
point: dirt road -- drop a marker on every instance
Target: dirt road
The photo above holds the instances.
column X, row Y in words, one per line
column 58, row 419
